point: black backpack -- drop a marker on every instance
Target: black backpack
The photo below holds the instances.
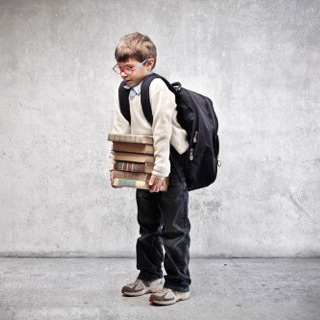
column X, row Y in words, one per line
column 195, row 114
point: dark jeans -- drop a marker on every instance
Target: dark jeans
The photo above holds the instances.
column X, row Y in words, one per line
column 163, row 220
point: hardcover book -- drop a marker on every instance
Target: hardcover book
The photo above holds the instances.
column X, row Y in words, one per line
column 133, row 147
column 133, row 167
column 138, row 184
column 131, row 175
column 133, row 157
column 131, row 138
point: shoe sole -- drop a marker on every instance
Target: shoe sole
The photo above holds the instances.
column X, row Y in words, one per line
column 140, row 293
column 166, row 303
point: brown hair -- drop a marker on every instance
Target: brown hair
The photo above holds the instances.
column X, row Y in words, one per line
column 135, row 46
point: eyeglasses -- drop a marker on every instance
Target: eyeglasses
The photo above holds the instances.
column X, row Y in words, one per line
column 126, row 69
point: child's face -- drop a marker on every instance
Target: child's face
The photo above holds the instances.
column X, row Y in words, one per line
column 138, row 74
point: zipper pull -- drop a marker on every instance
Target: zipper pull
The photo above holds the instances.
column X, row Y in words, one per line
column 195, row 138
column 191, row 154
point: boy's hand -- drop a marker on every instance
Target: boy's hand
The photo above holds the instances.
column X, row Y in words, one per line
column 112, row 180
column 155, row 183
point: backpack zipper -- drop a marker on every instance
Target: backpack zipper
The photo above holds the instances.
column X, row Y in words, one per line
column 195, row 138
column 191, row 154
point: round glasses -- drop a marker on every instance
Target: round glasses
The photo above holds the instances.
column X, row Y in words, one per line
column 126, row 69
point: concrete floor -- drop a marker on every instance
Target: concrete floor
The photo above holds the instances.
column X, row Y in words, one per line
column 89, row 288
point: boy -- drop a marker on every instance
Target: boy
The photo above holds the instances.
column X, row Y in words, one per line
column 162, row 216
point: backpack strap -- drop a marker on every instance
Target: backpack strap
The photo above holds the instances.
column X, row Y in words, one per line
column 145, row 95
column 124, row 101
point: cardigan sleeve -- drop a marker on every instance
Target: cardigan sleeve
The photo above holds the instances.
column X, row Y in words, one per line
column 163, row 105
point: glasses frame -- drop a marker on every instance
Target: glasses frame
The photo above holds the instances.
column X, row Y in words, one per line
column 118, row 70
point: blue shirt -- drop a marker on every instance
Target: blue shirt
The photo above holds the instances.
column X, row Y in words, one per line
column 136, row 89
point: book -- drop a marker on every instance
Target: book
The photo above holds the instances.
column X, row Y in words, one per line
column 134, row 161
column 133, row 147
column 132, row 138
column 131, row 175
column 133, row 157
column 137, row 184
column 133, row 167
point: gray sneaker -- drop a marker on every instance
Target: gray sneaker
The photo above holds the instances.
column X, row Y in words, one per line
column 140, row 287
column 168, row 296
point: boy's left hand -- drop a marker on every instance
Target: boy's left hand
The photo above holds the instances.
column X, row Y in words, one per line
column 155, row 183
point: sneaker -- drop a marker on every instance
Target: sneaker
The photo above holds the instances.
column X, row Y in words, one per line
column 168, row 296
column 140, row 287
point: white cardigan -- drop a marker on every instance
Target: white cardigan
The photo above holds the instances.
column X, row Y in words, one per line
column 165, row 128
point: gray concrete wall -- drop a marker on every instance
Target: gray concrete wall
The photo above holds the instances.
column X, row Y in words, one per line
column 257, row 60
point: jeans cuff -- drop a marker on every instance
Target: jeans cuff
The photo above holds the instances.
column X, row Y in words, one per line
column 180, row 289
column 145, row 276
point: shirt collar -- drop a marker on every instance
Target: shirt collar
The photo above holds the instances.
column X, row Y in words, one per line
column 136, row 89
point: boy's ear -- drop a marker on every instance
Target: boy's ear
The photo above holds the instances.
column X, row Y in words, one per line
column 150, row 64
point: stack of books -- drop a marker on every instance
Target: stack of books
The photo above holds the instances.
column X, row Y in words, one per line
column 134, row 161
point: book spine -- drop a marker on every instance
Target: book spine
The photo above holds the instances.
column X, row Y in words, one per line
column 142, row 176
column 130, row 138
column 130, row 183
column 133, row 157
column 133, row 148
column 129, row 166
column 135, row 184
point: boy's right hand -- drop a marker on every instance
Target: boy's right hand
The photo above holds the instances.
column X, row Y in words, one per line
column 112, row 180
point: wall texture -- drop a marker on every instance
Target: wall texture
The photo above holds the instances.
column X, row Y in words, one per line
column 257, row 60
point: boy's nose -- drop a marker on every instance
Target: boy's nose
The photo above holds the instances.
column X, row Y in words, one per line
column 123, row 74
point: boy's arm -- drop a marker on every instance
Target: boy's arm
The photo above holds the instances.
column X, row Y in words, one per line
column 163, row 105
column 119, row 126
